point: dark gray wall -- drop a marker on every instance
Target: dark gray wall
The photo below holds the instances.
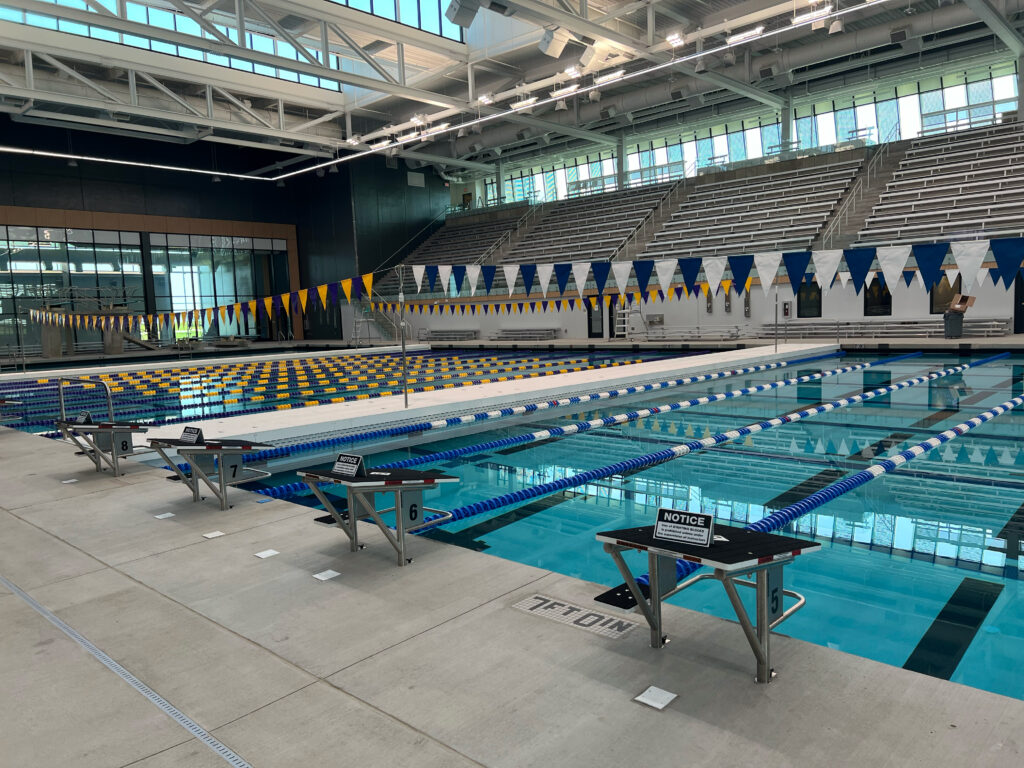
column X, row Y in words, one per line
column 346, row 223
column 388, row 211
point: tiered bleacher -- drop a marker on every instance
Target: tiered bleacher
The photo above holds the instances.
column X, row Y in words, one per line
column 463, row 243
column 780, row 211
column 461, row 240
column 956, row 186
column 587, row 228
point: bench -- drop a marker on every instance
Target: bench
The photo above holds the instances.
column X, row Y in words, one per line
column 525, row 334
column 440, row 334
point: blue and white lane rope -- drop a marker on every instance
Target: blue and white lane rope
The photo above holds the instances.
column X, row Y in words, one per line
column 778, row 520
column 625, row 418
column 660, row 457
column 519, row 410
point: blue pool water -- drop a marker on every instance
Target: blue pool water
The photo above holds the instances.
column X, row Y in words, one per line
column 909, row 560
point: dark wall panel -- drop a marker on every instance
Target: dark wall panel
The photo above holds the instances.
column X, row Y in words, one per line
column 388, row 211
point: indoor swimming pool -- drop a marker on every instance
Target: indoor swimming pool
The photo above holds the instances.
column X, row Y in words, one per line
column 180, row 394
column 919, row 569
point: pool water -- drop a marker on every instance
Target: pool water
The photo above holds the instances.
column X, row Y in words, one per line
column 164, row 396
column 919, row 568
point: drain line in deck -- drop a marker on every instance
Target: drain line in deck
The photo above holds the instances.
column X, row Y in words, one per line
column 177, row 715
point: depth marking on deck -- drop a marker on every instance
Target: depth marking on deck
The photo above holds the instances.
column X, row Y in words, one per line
column 230, row 757
column 606, row 625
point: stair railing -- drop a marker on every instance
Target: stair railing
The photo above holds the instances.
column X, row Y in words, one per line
column 641, row 229
column 860, row 186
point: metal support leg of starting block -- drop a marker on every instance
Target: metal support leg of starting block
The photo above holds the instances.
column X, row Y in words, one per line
column 769, row 591
column 102, row 447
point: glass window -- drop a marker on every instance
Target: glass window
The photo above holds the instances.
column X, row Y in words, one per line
column 430, row 16
column 826, row 129
column 866, row 119
column 846, row 125
column 752, row 137
column 805, row 133
column 889, row 121
column 910, row 117
column 877, row 299
column 808, row 300
column 737, row 146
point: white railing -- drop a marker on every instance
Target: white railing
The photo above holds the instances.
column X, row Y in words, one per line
column 860, row 187
column 646, row 226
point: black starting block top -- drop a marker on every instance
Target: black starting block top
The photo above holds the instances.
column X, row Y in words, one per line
column 379, row 478
column 733, row 549
column 104, row 426
column 213, row 446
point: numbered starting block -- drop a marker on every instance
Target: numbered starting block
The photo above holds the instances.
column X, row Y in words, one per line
column 104, row 442
column 216, row 463
column 361, row 487
column 731, row 553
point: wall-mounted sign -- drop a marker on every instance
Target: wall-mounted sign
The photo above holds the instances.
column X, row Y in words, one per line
column 684, row 527
column 192, row 436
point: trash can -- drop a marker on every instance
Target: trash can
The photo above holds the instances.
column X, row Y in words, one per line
column 953, row 323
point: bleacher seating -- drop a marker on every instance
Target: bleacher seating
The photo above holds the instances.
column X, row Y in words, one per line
column 457, row 242
column 780, row 211
column 873, row 329
column 587, row 228
column 955, row 186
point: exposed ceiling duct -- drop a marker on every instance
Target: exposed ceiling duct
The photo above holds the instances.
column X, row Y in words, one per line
column 786, row 60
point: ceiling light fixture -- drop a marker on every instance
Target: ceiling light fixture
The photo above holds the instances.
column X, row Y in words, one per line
column 381, row 144
column 610, row 77
column 572, row 71
column 353, row 141
column 817, row 13
column 486, row 99
column 565, row 90
column 418, row 120
column 744, row 36
column 523, row 103
column 675, row 39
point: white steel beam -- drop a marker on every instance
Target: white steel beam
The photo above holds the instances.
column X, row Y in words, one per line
column 995, row 21
column 221, row 48
column 370, row 61
column 111, row 55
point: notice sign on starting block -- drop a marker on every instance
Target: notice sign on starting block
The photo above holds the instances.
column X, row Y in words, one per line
column 349, row 465
column 684, row 527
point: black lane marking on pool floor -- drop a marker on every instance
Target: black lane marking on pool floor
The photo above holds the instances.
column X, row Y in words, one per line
column 471, row 537
column 1012, row 534
column 944, row 644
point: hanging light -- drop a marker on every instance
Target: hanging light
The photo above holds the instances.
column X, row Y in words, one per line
column 675, row 39
column 742, row 36
column 522, row 103
column 565, row 90
column 817, row 13
column 610, row 77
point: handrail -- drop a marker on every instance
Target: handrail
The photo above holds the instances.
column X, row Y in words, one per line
column 860, row 186
column 429, row 224
column 658, row 210
column 506, row 235
column 521, row 222
column 70, row 379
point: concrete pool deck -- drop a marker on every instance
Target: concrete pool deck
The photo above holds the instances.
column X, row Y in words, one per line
column 429, row 665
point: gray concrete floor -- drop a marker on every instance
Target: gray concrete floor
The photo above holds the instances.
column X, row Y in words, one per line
column 428, row 665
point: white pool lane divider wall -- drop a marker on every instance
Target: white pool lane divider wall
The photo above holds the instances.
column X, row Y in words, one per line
column 625, row 418
column 297, row 425
column 677, row 451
